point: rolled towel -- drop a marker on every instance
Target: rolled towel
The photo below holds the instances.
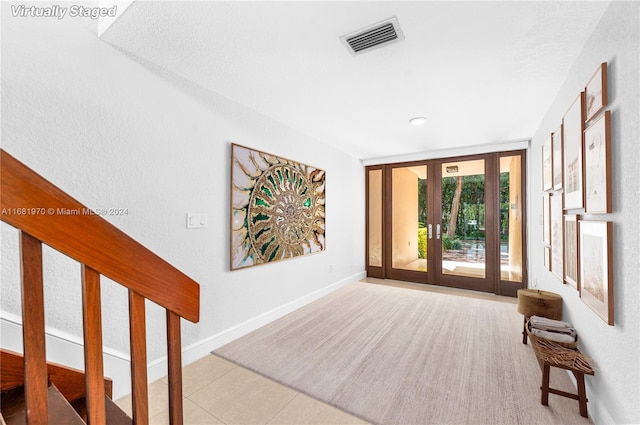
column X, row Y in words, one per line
column 537, row 320
column 568, row 331
column 553, row 336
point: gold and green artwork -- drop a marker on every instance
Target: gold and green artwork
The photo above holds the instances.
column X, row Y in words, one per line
column 277, row 208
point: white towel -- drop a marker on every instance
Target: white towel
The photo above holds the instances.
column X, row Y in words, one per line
column 553, row 336
column 567, row 331
column 537, row 320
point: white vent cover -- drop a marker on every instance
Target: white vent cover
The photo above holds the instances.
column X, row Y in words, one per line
column 380, row 34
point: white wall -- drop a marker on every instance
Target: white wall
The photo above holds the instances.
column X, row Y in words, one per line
column 113, row 132
column 614, row 395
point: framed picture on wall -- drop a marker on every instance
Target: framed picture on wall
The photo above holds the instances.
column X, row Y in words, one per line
column 571, row 224
column 557, row 237
column 597, row 171
column 572, row 130
column 546, row 219
column 277, row 208
column 556, row 139
column 547, row 258
column 547, row 165
column 596, row 274
column 596, row 92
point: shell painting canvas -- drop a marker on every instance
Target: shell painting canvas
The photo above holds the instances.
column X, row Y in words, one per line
column 277, row 208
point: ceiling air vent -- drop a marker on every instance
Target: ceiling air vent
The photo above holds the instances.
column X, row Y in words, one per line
column 380, row 34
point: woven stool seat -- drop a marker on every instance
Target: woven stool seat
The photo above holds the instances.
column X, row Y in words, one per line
column 533, row 302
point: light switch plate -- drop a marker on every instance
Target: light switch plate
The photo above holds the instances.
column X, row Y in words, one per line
column 196, row 220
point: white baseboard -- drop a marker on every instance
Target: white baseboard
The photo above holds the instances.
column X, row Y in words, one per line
column 598, row 412
column 196, row 351
column 68, row 350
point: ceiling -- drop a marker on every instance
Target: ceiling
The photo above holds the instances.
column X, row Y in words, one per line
column 480, row 72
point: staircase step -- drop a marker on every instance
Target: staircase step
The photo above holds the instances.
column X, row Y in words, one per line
column 70, row 382
column 14, row 411
column 115, row 415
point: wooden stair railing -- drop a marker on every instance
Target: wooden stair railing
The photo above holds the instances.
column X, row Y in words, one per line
column 41, row 212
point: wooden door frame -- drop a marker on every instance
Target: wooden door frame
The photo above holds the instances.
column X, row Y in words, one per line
column 374, row 271
column 492, row 282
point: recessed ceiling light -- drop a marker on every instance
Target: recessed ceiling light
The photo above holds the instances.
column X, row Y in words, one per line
column 417, row 121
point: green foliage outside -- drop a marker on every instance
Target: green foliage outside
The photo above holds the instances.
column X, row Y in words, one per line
column 422, row 242
column 448, row 243
column 471, row 215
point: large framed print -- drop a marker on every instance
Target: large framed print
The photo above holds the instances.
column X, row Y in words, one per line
column 556, row 139
column 596, row 271
column 277, row 208
column 557, row 237
column 572, row 125
column 571, row 225
column 597, row 170
column 596, row 92
column 547, row 165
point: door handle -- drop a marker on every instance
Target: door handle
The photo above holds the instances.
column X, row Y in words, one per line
column 437, row 231
column 430, row 231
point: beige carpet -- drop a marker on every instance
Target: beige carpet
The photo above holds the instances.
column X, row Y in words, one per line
column 400, row 356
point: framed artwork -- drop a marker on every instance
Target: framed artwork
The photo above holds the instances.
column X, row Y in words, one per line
column 571, row 224
column 597, row 170
column 556, row 139
column 547, row 258
column 596, row 92
column 277, row 208
column 547, row 165
column 546, row 219
column 596, row 261
column 557, row 237
column 572, row 130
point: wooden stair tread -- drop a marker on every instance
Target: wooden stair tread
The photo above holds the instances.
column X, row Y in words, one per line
column 69, row 381
column 14, row 411
column 115, row 415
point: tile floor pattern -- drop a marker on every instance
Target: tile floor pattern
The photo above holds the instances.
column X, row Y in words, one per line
column 217, row 391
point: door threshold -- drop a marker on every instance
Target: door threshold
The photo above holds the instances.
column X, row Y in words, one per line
column 439, row 289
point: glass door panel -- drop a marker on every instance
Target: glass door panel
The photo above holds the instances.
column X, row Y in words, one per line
column 511, row 226
column 463, row 218
column 457, row 223
column 409, row 218
column 375, row 218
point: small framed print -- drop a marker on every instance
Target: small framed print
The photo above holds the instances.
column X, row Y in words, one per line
column 596, row 271
column 596, row 92
column 547, row 258
column 547, row 165
column 572, row 131
column 597, row 170
column 556, row 139
column 546, row 219
column 557, row 237
column 571, row 225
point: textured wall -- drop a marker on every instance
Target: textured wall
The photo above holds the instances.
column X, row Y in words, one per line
column 614, row 391
column 117, row 133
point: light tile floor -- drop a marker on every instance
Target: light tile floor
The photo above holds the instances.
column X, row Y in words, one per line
column 217, row 391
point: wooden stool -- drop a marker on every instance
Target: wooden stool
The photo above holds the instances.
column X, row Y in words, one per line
column 551, row 354
column 533, row 302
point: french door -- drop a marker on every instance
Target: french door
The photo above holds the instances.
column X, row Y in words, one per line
column 454, row 222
